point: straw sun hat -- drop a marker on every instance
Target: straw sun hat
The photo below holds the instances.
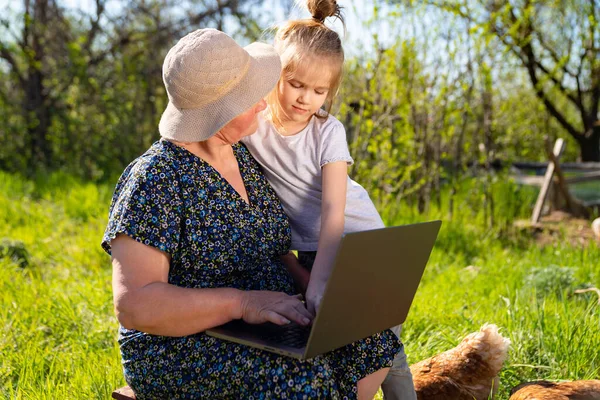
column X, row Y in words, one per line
column 210, row 80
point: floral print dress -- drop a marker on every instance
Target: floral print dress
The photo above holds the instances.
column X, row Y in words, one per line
column 172, row 200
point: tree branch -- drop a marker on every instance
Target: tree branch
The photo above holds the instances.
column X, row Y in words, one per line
column 552, row 109
column 578, row 101
column 4, row 96
column 595, row 67
column 6, row 55
column 524, row 49
column 26, row 22
column 121, row 42
column 94, row 26
column 553, row 53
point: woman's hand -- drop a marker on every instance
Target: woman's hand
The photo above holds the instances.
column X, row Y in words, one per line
column 259, row 306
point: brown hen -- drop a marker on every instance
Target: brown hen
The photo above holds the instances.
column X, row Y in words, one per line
column 544, row 390
column 467, row 372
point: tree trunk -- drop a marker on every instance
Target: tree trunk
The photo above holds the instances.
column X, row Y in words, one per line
column 38, row 119
column 590, row 146
column 37, row 114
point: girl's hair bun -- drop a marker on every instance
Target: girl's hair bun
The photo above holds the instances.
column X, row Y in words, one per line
column 321, row 9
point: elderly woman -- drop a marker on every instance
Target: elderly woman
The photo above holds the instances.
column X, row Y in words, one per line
column 196, row 236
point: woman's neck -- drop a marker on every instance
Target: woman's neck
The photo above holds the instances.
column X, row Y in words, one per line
column 213, row 150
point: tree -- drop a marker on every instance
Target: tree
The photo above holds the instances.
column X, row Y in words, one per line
column 71, row 74
column 558, row 44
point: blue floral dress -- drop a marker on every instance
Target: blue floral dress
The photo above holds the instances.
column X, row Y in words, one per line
column 172, row 200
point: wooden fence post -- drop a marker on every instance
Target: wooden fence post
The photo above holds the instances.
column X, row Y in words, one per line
column 559, row 147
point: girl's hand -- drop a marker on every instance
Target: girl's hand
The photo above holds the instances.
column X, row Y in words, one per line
column 301, row 280
column 260, row 306
column 333, row 204
column 314, row 295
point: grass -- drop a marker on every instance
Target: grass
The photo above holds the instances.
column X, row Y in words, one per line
column 59, row 332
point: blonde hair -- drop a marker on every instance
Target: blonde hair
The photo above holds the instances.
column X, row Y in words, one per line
column 299, row 42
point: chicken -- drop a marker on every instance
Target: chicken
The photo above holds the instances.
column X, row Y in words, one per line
column 596, row 228
column 468, row 371
column 544, row 390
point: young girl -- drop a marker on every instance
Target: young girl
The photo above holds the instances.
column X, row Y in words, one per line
column 305, row 157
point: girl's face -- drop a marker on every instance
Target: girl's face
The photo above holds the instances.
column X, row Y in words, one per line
column 302, row 94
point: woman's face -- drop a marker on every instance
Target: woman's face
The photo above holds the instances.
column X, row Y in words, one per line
column 243, row 125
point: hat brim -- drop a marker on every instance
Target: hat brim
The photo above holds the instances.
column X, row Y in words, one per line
column 199, row 124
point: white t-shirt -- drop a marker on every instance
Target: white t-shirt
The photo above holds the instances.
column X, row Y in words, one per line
column 292, row 164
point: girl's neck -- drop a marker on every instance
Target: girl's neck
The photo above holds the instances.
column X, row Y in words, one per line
column 291, row 128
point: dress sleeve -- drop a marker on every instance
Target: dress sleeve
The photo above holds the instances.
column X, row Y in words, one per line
column 334, row 146
column 147, row 207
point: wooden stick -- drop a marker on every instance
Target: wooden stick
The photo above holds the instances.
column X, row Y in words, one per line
column 559, row 147
column 592, row 289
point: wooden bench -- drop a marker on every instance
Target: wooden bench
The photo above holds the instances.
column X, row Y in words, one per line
column 124, row 393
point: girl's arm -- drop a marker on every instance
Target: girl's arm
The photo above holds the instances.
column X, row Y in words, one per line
column 300, row 274
column 145, row 301
column 333, row 204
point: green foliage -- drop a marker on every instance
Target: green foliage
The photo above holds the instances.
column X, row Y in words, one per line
column 552, row 43
column 551, row 279
column 419, row 109
column 468, row 205
column 380, row 134
column 88, row 98
column 406, row 149
column 418, row 117
column 15, row 251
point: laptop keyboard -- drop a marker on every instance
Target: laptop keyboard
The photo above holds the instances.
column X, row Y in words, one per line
column 292, row 335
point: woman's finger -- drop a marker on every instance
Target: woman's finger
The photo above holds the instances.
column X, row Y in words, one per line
column 276, row 318
column 301, row 308
column 291, row 313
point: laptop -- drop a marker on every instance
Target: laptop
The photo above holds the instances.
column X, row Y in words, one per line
column 373, row 282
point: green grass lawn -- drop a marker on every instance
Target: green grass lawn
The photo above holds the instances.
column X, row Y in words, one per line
column 59, row 331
